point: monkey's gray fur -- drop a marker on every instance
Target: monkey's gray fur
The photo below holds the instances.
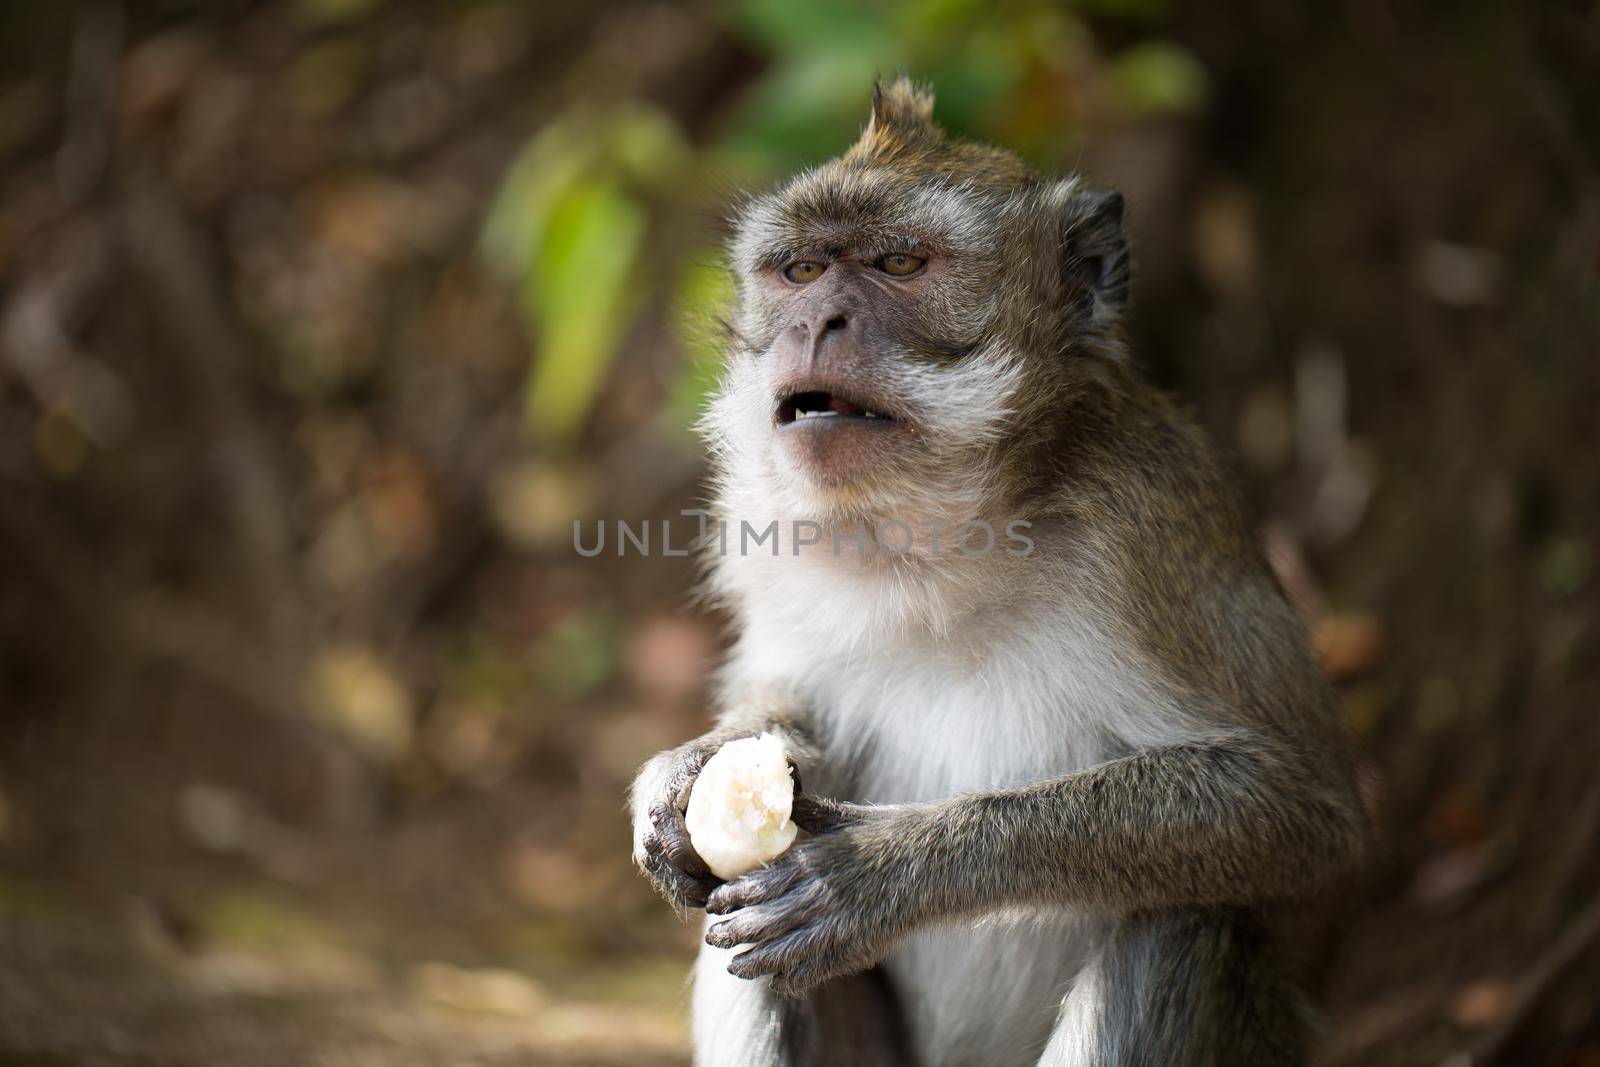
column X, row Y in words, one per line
column 1062, row 807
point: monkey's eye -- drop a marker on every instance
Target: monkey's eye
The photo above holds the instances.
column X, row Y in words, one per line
column 900, row 264
column 804, row 271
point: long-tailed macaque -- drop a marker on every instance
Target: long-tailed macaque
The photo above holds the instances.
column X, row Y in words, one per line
column 1062, row 804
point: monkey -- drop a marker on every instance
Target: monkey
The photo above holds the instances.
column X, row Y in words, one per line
column 1065, row 806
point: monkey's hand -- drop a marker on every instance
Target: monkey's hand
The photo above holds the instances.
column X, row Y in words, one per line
column 661, row 846
column 826, row 907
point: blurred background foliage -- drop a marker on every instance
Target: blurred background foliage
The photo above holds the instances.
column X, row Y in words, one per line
column 321, row 321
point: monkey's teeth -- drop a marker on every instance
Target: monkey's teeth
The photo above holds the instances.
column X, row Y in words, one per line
column 833, row 412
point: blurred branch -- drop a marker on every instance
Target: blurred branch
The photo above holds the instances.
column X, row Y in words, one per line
column 123, row 624
column 1552, row 109
column 1579, row 936
column 1574, row 853
column 168, row 257
column 116, row 619
column 85, row 149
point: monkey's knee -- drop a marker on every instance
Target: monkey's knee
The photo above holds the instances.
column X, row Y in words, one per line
column 1205, row 988
column 849, row 1022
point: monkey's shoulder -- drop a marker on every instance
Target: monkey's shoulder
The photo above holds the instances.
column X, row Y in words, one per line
column 1138, row 460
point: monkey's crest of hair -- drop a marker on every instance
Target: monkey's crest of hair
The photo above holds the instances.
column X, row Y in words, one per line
column 901, row 103
column 901, row 133
column 901, row 124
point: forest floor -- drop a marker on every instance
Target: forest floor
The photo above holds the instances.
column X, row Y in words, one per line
column 271, row 981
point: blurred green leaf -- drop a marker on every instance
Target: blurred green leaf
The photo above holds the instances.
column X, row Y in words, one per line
column 1158, row 78
column 926, row 18
column 580, row 299
column 977, row 77
column 552, row 162
column 646, row 144
column 258, row 918
column 825, row 57
column 702, row 301
column 1566, row 566
column 1150, row 10
column 577, row 654
column 325, row 76
column 482, row 668
column 803, row 111
column 826, row 27
column 568, row 227
column 331, row 11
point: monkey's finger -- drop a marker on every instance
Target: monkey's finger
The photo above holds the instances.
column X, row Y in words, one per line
column 786, row 953
column 694, row 891
column 754, row 926
column 680, row 788
column 663, row 814
column 819, row 815
column 672, row 833
column 681, row 782
column 758, row 887
column 671, row 879
column 680, row 889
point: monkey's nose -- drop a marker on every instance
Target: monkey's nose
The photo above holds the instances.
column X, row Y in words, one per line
column 812, row 332
column 825, row 322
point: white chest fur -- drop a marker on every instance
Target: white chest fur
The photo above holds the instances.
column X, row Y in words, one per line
column 990, row 703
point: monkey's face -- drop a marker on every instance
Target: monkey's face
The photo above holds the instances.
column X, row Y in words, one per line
column 864, row 303
column 836, row 412
column 899, row 312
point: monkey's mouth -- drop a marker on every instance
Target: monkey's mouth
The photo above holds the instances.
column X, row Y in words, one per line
column 839, row 438
column 817, row 406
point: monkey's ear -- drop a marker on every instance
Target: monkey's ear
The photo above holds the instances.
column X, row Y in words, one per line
column 1095, row 252
column 900, row 106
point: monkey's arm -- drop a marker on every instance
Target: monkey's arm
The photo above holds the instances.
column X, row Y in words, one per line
column 660, row 793
column 1234, row 820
